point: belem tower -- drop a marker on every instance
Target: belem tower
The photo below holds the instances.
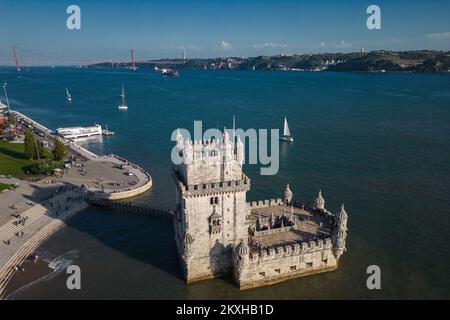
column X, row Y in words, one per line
column 218, row 232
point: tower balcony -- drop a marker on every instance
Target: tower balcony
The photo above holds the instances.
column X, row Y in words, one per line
column 210, row 188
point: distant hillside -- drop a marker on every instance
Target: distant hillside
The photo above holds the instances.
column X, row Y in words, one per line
column 375, row 61
column 412, row 61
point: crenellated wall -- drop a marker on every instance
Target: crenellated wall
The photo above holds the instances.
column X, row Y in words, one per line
column 267, row 266
column 202, row 189
column 265, row 203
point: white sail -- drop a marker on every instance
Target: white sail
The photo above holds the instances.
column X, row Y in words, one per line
column 123, row 104
column 68, row 96
column 286, row 128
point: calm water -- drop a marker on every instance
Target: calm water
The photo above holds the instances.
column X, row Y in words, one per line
column 377, row 142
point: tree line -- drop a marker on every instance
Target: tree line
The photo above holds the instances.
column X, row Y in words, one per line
column 35, row 151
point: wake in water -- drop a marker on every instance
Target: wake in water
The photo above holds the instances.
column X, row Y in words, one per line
column 58, row 265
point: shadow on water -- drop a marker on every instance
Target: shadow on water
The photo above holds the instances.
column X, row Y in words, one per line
column 143, row 238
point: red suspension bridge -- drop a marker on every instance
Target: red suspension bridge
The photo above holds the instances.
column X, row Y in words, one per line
column 25, row 57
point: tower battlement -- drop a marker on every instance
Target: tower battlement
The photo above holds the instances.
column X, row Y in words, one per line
column 210, row 161
column 242, row 184
column 281, row 251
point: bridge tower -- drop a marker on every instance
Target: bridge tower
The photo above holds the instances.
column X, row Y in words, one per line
column 16, row 59
column 133, row 65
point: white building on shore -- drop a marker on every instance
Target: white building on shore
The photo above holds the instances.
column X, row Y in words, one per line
column 80, row 132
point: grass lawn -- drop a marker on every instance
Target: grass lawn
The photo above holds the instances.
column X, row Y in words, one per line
column 3, row 186
column 12, row 159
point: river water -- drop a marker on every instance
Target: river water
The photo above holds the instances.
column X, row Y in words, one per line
column 377, row 142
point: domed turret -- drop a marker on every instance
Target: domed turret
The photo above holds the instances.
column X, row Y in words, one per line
column 179, row 137
column 226, row 137
column 242, row 248
column 342, row 216
column 319, row 203
column 340, row 233
column 287, row 195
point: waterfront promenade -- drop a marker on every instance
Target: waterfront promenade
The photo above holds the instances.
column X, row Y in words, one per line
column 34, row 211
column 19, row 241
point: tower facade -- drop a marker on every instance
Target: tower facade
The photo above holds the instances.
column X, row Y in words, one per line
column 210, row 217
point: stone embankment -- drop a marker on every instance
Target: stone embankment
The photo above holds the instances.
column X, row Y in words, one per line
column 19, row 239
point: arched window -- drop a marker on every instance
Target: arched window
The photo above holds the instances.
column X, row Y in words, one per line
column 215, row 221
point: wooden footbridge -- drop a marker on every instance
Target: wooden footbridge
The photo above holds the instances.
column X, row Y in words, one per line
column 131, row 208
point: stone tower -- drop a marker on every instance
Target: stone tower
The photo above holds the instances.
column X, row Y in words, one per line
column 340, row 233
column 211, row 212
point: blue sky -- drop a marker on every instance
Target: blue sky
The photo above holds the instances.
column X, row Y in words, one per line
column 158, row 29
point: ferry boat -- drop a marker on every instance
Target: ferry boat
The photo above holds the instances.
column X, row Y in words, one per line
column 286, row 133
column 68, row 96
column 79, row 132
column 122, row 105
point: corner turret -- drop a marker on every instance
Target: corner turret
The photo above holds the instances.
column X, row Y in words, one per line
column 242, row 248
column 319, row 203
column 340, row 233
column 287, row 195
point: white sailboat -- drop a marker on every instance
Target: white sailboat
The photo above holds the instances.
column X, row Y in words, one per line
column 286, row 133
column 123, row 105
column 68, row 96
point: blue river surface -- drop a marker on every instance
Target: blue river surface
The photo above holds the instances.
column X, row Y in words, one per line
column 377, row 142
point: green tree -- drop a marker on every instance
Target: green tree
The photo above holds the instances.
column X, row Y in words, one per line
column 44, row 166
column 33, row 147
column 59, row 150
column 30, row 144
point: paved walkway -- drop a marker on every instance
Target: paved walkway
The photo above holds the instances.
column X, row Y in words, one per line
column 18, row 242
column 16, row 201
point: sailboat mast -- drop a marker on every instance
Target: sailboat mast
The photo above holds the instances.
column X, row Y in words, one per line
column 123, row 95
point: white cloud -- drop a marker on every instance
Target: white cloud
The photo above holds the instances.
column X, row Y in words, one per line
column 225, row 45
column 323, row 44
column 439, row 35
column 269, row 45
